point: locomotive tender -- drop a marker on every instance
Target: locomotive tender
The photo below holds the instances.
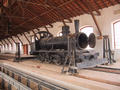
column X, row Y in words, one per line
column 67, row 49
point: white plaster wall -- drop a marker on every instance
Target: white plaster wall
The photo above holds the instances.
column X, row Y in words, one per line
column 104, row 21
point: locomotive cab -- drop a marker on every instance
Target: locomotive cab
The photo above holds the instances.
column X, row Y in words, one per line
column 35, row 42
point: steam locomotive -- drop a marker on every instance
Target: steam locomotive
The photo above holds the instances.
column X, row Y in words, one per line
column 66, row 49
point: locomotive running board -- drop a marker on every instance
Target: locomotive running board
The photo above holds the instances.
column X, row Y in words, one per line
column 91, row 63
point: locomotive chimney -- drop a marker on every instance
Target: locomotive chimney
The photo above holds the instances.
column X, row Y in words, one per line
column 76, row 23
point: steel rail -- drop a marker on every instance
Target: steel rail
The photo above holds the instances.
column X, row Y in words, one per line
column 106, row 69
column 34, row 78
column 13, row 82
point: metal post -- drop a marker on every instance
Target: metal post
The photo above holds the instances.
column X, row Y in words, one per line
column 109, row 51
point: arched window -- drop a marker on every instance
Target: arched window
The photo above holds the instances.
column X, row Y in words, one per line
column 59, row 34
column 87, row 30
column 116, row 35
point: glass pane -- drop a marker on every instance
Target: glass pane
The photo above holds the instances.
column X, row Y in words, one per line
column 117, row 35
column 87, row 30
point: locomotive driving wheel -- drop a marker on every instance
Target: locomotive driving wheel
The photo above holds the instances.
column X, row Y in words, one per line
column 57, row 59
column 47, row 58
column 41, row 57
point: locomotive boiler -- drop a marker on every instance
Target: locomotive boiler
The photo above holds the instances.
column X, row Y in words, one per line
column 68, row 49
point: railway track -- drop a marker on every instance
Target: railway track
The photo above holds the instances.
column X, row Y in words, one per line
column 13, row 82
column 106, row 69
column 30, row 79
column 101, row 69
column 41, row 83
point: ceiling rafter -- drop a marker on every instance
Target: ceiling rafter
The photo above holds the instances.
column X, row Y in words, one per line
column 97, row 4
column 88, row 5
column 105, row 5
column 45, row 13
column 111, row 2
column 118, row 1
column 41, row 19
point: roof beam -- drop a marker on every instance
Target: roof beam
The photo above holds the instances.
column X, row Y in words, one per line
column 46, row 29
column 19, row 17
column 64, row 23
column 118, row 1
column 35, row 34
column 83, row 10
column 45, row 13
column 20, row 40
column 29, row 2
column 96, row 23
column 6, row 42
column 88, row 5
column 13, row 39
column 2, row 43
column 57, row 11
column 69, row 21
column 38, row 29
column 9, row 41
column 111, row 2
column 15, row 10
column 22, row 9
column 41, row 19
column 104, row 3
column 26, row 38
column 97, row 4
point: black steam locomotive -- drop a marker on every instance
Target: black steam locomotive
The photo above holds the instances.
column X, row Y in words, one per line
column 66, row 49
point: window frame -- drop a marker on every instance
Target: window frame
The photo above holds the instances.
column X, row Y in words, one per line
column 114, row 44
column 85, row 27
column 58, row 34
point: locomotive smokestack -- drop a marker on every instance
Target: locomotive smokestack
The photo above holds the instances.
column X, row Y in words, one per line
column 76, row 22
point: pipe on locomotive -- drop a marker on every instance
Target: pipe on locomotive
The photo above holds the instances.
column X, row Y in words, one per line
column 61, row 42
